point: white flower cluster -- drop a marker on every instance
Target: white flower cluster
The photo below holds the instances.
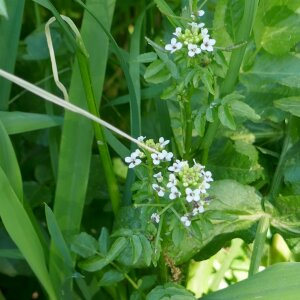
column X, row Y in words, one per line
column 195, row 39
column 174, row 181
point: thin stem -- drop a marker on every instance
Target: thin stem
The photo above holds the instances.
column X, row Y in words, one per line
column 110, row 177
column 130, row 280
column 275, row 185
column 259, row 243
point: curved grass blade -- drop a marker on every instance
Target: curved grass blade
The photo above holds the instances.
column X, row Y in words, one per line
column 22, row 232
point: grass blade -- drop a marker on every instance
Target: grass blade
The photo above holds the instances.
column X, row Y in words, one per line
column 23, row 234
column 19, row 122
column 9, row 163
column 9, row 31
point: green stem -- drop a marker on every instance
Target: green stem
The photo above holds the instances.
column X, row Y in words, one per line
column 275, row 185
column 236, row 59
column 259, row 243
column 188, row 127
column 111, row 180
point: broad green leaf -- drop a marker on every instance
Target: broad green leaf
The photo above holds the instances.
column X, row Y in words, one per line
column 9, row 163
column 268, row 71
column 233, row 212
column 9, row 30
column 199, row 124
column 290, row 104
column 239, row 107
column 226, row 117
column 170, row 291
column 279, row 281
column 277, row 27
column 234, row 161
column 22, row 232
column 84, row 245
column 19, row 122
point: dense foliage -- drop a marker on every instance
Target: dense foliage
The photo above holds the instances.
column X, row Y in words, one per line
column 203, row 191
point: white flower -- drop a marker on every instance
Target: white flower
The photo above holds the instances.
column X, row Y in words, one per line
column 155, row 217
column 204, row 33
column 165, row 156
column 141, row 138
column 207, row 44
column 155, row 158
column 138, row 153
column 174, row 193
column 198, row 210
column 133, row 160
column 186, row 221
column 178, row 31
column 172, row 181
column 176, row 167
column 160, row 190
column 174, row 46
column 201, row 13
column 203, row 187
column 192, row 195
column 158, row 177
column 163, row 142
column 208, row 176
column 193, row 50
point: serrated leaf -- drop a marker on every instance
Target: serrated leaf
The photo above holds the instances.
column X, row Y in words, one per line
column 225, row 116
column 289, row 104
column 84, row 245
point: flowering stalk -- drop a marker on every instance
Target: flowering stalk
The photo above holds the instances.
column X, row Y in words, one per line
column 177, row 185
